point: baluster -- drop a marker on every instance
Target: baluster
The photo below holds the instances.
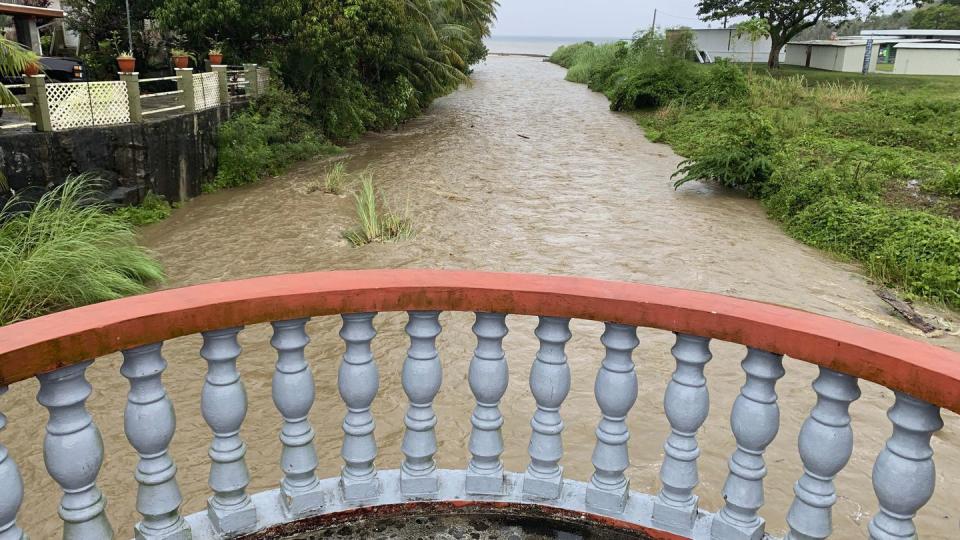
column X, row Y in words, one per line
column 11, row 490
column 422, row 377
column 549, row 383
column 358, row 381
column 488, row 382
column 223, row 404
column 686, row 404
column 616, row 391
column 293, row 394
column 826, row 443
column 149, row 423
column 73, row 452
column 904, row 474
column 755, row 421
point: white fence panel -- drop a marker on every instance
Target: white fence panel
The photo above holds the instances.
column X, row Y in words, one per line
column 74, row 105
column 206, row 90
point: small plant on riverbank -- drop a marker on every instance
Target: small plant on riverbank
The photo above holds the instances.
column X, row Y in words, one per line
column 68, row 250
column 376, row 223
column 154, row 208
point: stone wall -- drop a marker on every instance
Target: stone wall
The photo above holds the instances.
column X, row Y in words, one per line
column 171, row 157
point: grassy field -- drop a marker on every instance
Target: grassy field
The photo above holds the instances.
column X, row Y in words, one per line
column 866, row 167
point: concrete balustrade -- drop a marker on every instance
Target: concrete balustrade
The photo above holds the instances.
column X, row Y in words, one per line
column 903, row 476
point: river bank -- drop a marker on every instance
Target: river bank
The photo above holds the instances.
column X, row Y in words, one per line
column 863, row 167
column 582, row 192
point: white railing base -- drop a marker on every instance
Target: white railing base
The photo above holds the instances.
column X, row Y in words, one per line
column 638, row 509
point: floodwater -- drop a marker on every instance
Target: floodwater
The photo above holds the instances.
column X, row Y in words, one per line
column 520, row 172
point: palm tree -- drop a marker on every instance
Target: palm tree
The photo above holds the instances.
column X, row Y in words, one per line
column 14, row 60
column 755, row 29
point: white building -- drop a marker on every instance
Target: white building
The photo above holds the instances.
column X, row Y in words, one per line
column 716, row 43
column 905, row 52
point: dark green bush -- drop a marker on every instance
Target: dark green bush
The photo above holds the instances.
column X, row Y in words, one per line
column 723, row 84
column 265, row 139
column 914, row 250
column 645, row 83
column 739, row 155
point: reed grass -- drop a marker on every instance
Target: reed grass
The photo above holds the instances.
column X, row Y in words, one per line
column 837, row 95
column 67, row 250
column 376, row 222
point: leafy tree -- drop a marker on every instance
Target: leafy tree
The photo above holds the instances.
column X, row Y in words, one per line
column 787, row 18
column 754, row 29
column 941, row 16
column 102, row 25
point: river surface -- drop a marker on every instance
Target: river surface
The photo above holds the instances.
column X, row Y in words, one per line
column 520, row 172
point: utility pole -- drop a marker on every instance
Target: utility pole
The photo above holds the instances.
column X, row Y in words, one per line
column 653, row 27
column 129, row 30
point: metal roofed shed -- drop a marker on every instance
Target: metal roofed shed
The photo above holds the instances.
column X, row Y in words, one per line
column 904, row 52
column 941, row 58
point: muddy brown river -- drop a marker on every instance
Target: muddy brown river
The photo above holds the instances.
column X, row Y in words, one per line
column 520, row 172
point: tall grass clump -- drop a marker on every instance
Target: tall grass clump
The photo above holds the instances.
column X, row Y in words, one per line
column 835, row 95
column 68, row 250
column 780, row 93
column 376, row 222
column 333, row 182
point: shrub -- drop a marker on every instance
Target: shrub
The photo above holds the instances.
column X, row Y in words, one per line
column 739, row 155
column 266, row 139
column 153, row 209
column 644, row 83
column 724, row 84
column 914, row 250
column 67, row 251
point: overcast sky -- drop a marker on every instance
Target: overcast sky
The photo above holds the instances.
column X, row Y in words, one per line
column 590, row 18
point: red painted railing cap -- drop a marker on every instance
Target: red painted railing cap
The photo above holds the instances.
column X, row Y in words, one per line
column 47, row 343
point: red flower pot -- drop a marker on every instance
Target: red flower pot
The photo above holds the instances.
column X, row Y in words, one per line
column 32, row 69
column 216, row 59
column 127, row 65
column 181, row 61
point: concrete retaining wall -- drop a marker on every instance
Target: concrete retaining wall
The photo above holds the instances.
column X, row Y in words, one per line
column 171, row 156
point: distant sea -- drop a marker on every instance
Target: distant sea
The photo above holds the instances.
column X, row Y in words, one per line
column 537, row 44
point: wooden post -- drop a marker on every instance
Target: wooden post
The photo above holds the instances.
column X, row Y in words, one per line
column 40, row 112
column 133, row 95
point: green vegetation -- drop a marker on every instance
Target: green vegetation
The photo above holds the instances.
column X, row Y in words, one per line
column 867, row 168
column 67, row 250
column 363, row 64
column 332, row 182
column 265, row 139
column 376, row 223
column 154, row 208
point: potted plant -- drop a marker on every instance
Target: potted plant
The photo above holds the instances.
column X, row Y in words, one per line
column 216, row 56
column 181, row 58
column 126, row 62
column 31, row 68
